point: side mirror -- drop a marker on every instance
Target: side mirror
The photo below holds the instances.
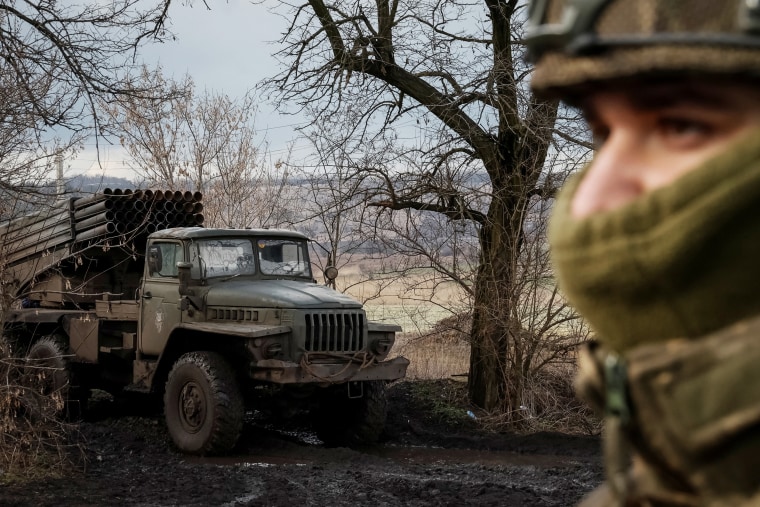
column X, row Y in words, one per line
column 183, row 272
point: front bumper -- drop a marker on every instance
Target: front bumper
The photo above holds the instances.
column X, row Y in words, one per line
column 284, row 372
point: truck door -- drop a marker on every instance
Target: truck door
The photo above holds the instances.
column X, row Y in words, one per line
column 159, row 308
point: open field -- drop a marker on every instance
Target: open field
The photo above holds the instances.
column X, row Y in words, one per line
column 416, row 318
column 416, row 300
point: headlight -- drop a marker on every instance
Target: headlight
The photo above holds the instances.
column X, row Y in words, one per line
column 262, row 348
column 382, row 345
column 273, row 351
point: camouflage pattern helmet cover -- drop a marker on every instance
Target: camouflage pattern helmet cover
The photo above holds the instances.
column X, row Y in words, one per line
column 576, row 42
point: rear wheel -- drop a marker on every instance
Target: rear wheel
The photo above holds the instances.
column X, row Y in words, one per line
column 48, row 374
column 342, row 420
column 203, row 404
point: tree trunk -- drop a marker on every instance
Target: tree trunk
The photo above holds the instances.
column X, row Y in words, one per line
column 493, row 382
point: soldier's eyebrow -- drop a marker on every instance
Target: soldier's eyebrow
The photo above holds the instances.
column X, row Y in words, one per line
column 684, row 95
column 653, row 97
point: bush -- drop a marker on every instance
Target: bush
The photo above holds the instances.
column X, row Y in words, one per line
column 550, row 404
column 34, row 440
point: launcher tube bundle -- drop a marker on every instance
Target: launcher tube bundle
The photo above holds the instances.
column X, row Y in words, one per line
column 60, row 254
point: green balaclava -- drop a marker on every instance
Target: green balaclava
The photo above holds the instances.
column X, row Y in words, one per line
column 678, row 262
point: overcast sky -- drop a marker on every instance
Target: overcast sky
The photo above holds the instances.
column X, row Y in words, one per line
column 226, row 49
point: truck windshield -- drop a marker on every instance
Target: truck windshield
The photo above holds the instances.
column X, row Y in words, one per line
column 283, row 256
column 222, row 257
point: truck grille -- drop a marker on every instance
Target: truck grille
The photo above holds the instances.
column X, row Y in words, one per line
column 334, row 332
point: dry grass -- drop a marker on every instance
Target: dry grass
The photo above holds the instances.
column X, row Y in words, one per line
column 34, row 441
column 442, row 352
column 549, row 404
column 430, row 358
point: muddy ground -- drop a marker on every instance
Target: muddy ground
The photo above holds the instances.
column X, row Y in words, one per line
column 425, row 458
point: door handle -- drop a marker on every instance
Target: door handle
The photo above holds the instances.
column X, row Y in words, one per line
column 147, row 295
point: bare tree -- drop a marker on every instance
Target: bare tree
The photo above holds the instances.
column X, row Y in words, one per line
column 453, row 72
column 56, row 59
column 28, row 149
column 62, row 56
column 176, row 141
column 248, row 188
column 428, row 263
column 207, row 143
column 153, row 132
column 334, row 213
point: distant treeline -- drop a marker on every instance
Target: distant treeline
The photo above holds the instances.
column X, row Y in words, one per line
column 82, row 184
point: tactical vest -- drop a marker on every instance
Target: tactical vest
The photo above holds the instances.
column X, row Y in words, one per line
column 682, row 420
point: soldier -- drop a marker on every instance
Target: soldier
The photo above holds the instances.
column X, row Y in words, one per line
column 657, row 241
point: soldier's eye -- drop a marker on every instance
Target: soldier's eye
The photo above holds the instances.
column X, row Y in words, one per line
column 599, row 133
column 683, row 132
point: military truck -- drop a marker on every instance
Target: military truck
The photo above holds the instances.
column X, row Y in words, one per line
column 126, row 291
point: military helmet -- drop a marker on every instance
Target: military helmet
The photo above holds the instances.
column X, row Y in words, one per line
column 576, row 42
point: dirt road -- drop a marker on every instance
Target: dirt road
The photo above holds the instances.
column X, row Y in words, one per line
column 131, row 462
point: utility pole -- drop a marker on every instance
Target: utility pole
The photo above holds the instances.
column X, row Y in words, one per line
column 59, row 187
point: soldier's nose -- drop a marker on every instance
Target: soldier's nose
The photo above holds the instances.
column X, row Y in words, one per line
column 614, row 178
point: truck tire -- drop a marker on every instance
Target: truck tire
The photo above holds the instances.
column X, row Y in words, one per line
column 48, row 373
column 348, row 422
column 203, row 404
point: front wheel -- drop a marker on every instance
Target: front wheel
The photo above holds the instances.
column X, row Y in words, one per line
column 203, row 404
column 345, row 419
